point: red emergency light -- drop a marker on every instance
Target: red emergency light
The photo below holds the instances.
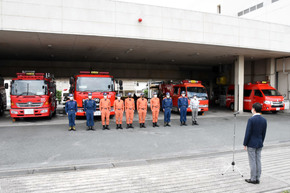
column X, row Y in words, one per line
column 262, row 82
column 192, row 81
column 94, row 72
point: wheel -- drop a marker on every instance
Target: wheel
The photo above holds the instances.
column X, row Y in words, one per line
column 274, row 112
column 232, row 106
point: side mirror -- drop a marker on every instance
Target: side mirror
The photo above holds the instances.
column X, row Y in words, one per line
column 121, row 84
column 71, row 80
column 109, row 86
column 6, row 85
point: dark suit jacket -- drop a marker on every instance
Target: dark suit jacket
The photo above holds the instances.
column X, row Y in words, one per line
column 255, row 132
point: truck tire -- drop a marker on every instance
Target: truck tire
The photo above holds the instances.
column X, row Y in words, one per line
column 274, row 112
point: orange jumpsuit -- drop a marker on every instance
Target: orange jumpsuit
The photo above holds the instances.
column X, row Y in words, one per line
column 155, row 107
column 129, row 107
column 142, row 109
column 119, row 110
column 105, row 107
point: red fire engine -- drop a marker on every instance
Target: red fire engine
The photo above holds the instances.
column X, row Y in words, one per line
column 260, row 92
column 33, row 95
column 95, row 82
column 191, row 87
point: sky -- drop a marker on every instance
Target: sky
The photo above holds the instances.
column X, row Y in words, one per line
column 229, row 7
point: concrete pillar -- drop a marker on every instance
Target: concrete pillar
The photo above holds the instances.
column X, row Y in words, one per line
column 272, row 72
column 239, row 83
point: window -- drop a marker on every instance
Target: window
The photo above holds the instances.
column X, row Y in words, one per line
column 219, row 9
column 176, row 90
column 240, row 13
column 258, row 93
column 247, row 93
column 260, row 5
column 253, row 8
column 271, row 92
column 182, row 89
column 273, row 1
column 246, row 11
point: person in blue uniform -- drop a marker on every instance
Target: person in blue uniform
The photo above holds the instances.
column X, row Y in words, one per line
column 167, row 107
column 90, row 108
column 71, row 109
column 182, row 106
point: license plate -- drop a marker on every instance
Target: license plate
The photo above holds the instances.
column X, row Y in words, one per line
column 28, row 111
column 97, row 113
column 277, row 109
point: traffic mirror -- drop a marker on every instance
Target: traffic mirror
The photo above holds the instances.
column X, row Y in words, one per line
column 6, row 85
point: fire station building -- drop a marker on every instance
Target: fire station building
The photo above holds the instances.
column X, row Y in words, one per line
column 134, row 41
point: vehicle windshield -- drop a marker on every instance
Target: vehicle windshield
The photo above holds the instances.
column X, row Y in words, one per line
column 200, row 92
column 94, row 84
column 28, row 87
column 271, row 92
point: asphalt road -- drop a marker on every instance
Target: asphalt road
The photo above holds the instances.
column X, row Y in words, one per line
column 40, row 143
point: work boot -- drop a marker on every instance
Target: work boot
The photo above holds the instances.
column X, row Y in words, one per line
column 104, row 127
column 181, row 123
column 144, row 125
column 70, row 128
column 88, row 128
column 153, row 124
column 131, row 126
column 120, row 126
column 74, row 128
column 141, row 125
column 92, row 128
column 128, row 126
column 117, row 126
column 196, row 123
column 107, row 127
column 168, row 124
column 184, row 123
column 165, row 124
column 156, row 125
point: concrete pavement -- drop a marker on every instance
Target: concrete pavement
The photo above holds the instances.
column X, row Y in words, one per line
column 200, row 174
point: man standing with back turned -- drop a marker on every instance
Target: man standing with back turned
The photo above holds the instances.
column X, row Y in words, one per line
column 253, row 142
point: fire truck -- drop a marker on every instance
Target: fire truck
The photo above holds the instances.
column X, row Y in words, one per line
column 95, row 82
column 2, row 96
column 33, row 95
column 260, row 92
column 191, row 88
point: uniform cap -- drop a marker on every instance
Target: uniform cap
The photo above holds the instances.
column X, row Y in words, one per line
column 89, row 94
column 118, row 95
column 142, row 94
column 168, row 93
column 70, row 95
column 129, row 94
column 154, row 93
column 105, row 94
column 183, row 92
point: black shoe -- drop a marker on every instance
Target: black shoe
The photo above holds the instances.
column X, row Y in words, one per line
column 104, row 127
column 184, row 123
column 117, row 126
column 88, row 128
column 120, row 126
column 196, row 123
column 92, row 129
column 107, row 127
column 181, row 123
column 251, row 182
column 128, row 126
column 156, row 125
column 257, row 181
column 131, row 126
column 153, row 124
column 143, row 125
column 168, row 124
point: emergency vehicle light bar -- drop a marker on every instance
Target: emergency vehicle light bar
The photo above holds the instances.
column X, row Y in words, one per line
column 93, row 72
column 191, row 81
column 262, row 82
column 29, row 74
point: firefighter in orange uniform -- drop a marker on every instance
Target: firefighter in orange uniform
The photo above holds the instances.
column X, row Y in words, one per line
column 105, row 107
column 119, row 110
column 142, row 109
column 155, row 107
column 129, row 108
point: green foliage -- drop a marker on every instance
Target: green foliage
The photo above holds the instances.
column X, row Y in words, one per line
column 146, row 93
column 58, row 95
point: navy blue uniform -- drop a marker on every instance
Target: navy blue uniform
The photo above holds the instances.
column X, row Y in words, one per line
column 183, row 105
column 90, row 108
column 167, row 106
column 71, row 109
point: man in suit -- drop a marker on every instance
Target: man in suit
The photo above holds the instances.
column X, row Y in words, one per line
column 253, row 142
